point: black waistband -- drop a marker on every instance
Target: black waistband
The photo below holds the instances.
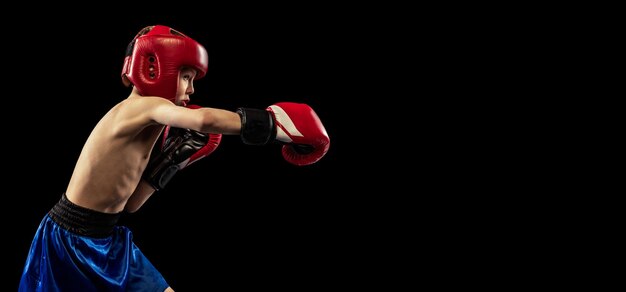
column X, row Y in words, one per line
column 81, row 220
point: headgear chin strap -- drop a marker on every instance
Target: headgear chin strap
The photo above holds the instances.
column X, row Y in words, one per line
column 154, row 58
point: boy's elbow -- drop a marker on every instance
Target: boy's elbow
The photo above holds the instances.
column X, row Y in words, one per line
column 129, row 208
column 208, row 124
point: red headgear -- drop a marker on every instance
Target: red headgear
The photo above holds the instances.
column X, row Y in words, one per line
column 155, row 56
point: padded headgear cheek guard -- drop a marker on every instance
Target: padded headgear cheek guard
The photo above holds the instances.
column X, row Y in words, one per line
column 154, row 58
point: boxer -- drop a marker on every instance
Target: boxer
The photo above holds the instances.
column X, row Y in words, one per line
column 78, row 245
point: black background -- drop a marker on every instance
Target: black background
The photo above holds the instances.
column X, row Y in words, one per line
column 242, row 216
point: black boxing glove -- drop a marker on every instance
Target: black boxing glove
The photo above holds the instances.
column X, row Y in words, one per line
column 180, row 148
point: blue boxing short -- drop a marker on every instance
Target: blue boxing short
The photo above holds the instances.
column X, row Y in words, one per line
column 78, row 249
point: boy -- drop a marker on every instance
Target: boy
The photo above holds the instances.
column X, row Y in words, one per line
column 78, row 246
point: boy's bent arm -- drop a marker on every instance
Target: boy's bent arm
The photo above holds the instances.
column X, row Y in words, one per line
column 141, row 194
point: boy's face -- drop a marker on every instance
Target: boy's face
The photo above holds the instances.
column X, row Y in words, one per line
column 185, row 85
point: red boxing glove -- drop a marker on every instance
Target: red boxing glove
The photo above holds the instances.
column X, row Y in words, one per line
column 295, row 124
column 300, row 127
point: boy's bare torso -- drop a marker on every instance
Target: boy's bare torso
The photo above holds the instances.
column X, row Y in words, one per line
column 113, row 158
